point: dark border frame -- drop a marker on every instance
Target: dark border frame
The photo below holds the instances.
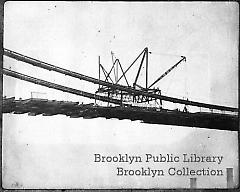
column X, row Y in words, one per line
column 117, row 190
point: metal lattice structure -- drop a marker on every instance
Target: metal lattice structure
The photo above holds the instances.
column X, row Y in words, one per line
column 128, row 95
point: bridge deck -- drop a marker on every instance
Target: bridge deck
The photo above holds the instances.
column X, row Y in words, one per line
column 46, row 107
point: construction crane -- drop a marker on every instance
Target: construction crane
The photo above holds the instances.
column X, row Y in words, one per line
column 168, row 71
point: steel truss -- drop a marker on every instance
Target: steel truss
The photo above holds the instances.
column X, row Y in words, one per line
column 132, row 91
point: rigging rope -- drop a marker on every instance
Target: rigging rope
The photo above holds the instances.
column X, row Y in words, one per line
column 166, row 54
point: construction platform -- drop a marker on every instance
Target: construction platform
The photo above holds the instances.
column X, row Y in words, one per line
column 36, row 106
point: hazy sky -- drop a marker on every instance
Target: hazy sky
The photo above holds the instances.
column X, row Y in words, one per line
column 72, row 35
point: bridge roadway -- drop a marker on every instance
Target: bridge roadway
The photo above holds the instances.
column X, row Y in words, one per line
column 35, row 106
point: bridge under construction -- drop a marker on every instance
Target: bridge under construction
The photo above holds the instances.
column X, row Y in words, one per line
column 125, row 99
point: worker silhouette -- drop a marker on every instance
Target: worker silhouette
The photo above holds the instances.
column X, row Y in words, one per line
column 185, row 108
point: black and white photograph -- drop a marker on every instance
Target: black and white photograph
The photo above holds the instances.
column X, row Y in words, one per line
column 120, row 95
